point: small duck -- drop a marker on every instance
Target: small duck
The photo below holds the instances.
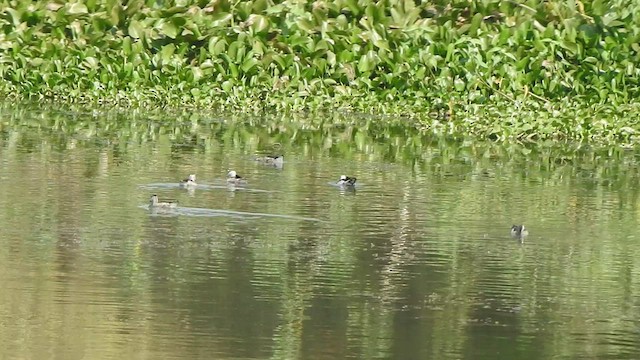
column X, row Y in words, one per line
column 518, row 231
column 155, row 203
column 189, row 181
column 274, row 160
column 234, row 178
column 346, row 181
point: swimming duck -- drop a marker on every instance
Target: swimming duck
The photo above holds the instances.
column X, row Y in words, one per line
column 155, row 203
column 234, row 178
column 189, row 181
column 518, row 231
column 275, row 160
column 346, row 181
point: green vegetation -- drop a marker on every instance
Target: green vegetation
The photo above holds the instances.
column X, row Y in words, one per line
column 491, row 69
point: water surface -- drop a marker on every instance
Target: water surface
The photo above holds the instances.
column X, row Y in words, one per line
column 415, row 263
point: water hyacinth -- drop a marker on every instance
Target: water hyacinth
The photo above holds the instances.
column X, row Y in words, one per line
column 393, row 57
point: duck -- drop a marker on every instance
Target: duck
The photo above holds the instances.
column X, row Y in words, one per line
column 346, row 181
column 189, row 181
column 234, row 178
column 155, row 203
column 275, row 160
column 519, row 231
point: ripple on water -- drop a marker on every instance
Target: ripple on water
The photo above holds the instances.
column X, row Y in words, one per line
column 203, row 212
column 626, row 341
column 204, row 186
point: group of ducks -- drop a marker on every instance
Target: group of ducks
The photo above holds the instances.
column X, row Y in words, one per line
column 517, row 231
column 234, row 179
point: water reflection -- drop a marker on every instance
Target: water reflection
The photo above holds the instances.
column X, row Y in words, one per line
column 415, row 262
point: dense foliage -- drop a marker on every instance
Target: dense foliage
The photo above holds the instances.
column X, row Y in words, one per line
column 407, row 57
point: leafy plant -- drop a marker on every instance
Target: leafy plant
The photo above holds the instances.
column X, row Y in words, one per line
column 392, row 57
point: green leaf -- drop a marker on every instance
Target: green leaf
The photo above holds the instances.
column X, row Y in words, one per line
column 329, row 82
column 218, row 47
column 331, row 58
column 346, row 56
column 459, row 85
column 221, row 19
column 15, row 16
column 243, row 9
column 167, row 52
column 249, row 64
column 38, row 61
column 233, row 69
column 133, row 7
column 232, row 50
column 259, row 23
column 259, row 47
column 277, row 9
column 598, row 8
column 381, row 44
column 365, row 64
column 450, row 50
column 609, row 17
column 320, row 64
column 322, row 44
column 227, row 86
column 353, row 6
column 197, row 73
column 126, row 46
column 169, row 29
column 115, row 14
column 212, row 45
column 135, row 29
column 77, row 8
column 237, row 51
column 475, row 23
column 305, row 25
column 280, row 61
column 397, row 17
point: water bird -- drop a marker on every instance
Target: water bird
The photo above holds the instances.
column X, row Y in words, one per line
column 189, row 181
column 518, row 231
column 234, row 178
column 346, row 181
column 274, row 160
column 155, row 203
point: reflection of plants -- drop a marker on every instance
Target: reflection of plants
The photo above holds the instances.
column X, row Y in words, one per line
column 339, row 135
column 392, row 55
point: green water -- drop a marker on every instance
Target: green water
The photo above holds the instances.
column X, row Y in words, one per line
column 416, row 263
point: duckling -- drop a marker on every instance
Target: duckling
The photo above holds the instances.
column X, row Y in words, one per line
column 346, row 181
column 518, row 231
column 155, row 203
column 234, row 178
column 189, row 181
column 274, row 160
